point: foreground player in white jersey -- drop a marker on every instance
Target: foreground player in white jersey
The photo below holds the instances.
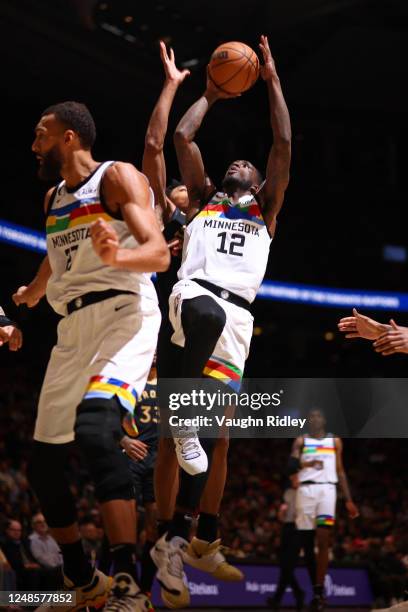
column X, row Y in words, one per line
column 225, row 254
column 319, row 457
column 102, row 240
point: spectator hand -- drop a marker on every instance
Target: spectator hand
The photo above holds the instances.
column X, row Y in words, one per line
column 360, row 326
column 394, row 340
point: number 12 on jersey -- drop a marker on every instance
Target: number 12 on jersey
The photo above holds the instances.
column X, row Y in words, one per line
column 237, row 241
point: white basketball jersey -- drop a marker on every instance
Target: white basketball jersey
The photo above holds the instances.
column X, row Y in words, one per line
column 323, row 450
column 227, row 244
column 76, row 268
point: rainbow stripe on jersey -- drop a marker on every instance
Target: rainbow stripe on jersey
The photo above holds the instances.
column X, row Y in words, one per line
column 224, row 209
column 105, row 387
column 79, row 212
column 312, row 449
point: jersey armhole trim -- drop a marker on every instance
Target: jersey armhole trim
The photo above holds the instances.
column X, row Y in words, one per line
column 202, row 204
column 51, row 200
column 115, row 215
column 262, row 213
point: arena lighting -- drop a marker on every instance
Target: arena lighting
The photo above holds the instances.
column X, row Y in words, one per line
column 26, row 238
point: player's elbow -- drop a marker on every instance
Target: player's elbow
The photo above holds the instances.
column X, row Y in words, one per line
column 180, row 137
column 153, row 144
column 162, row 258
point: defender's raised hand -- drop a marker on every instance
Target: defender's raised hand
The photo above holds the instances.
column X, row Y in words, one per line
column 173, row 74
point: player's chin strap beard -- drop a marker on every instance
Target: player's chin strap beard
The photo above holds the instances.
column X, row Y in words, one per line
column 231, row 185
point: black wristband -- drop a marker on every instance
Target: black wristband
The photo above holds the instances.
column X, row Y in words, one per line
column 5, row 321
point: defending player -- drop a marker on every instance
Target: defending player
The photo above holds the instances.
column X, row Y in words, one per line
column 173, row 201
column 318, row 457
column 140, row 444
column 226, row 249
column 102, row 241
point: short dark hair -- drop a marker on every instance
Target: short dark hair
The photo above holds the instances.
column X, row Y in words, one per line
column 75, row 116
column 172, row 185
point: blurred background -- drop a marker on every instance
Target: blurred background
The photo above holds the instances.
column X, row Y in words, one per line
column 344, row 220
column 343, row 225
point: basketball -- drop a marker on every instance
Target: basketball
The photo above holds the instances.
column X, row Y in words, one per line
column 234, row 67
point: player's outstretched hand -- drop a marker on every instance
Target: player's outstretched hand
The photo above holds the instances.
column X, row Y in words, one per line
column 352, row 509
column 135, row 449
column 268, row 70
column 360, row 326
column 394, row 340
column 26, row 295
column 13, row 336
column 173, row 74
column 105, row 241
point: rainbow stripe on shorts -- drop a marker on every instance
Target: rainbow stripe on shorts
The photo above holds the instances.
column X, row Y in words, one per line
column 106, row 388
column 223, row 371
column 325, row 520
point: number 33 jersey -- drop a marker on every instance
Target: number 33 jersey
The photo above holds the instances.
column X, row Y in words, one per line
column 76, row 268
column 227, row 244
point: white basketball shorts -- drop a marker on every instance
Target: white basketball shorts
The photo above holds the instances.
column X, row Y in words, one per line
column 103, row 350
column 231, row 351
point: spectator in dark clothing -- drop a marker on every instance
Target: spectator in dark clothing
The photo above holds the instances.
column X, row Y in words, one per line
column 17, row 552
column 7, row 575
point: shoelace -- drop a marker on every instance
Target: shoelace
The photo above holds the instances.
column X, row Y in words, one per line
column 189, row 448
column 119, row 598
column 116, row 603
column 175, row 564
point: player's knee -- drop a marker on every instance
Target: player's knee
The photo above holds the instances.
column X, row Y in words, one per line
column 97, row 433
column 323, row 537
column 203, row 313
column 46, row 474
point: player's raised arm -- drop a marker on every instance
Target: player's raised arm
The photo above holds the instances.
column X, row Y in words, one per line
column 127, row 190
column 154, row 165
column 350, row 505
column 189, row 157
column 277, row 172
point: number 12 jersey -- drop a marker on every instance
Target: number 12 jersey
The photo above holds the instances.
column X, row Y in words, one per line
column 227, row 244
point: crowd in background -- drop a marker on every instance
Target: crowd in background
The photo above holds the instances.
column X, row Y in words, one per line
column 378, row 539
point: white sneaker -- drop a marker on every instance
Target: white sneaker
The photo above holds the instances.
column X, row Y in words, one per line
column 126, row 596
column 167, row 557
column 190, row 454
column 92, row 595
column 207, row 557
